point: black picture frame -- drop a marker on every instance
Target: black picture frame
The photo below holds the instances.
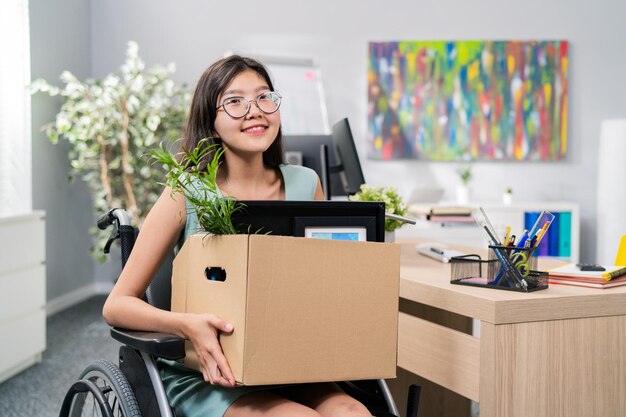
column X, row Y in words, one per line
column 278, row 217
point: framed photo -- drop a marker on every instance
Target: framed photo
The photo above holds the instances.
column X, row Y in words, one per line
column 362, row 220
column 337, row 233
column 336, row 227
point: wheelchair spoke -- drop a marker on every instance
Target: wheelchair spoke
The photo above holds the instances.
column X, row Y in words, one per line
column 115, row 407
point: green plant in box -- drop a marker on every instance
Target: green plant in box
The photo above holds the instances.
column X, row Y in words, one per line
column 199, row 186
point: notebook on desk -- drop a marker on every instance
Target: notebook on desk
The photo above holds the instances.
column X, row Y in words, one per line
column 571, row 270
column 581, row 282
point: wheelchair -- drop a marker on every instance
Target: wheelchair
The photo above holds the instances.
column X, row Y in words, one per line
column 133, row 388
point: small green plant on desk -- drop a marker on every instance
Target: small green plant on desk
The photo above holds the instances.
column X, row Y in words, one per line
column 394, row 204
column 465, row 174
column 463, row 190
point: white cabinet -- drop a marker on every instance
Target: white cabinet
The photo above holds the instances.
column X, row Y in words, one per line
column 22, row 292
column 563, row 235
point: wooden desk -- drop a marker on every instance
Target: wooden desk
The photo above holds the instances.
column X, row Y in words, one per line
column 559, row 352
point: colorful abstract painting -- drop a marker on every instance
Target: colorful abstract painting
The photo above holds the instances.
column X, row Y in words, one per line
column 468, row 100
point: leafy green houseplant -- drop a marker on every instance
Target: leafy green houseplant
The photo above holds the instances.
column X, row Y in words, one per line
column 199, row 187
column 394, row 204
column 111, row 124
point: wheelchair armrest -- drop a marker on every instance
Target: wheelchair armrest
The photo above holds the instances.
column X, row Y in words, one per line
column 162, row 345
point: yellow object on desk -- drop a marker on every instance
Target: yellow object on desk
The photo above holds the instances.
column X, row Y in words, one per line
column 620, row 258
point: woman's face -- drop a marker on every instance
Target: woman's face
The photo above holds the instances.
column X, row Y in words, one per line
column 255, row 132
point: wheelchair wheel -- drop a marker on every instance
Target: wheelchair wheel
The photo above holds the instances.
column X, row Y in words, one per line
column 104, row 391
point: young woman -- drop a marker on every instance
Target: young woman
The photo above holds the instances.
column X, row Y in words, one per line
column 235, row 103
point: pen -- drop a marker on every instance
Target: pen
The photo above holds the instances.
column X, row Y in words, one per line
column 507, row 236
column 541, row 232
column 437, row 251
column 494, row 240
column 523, row 239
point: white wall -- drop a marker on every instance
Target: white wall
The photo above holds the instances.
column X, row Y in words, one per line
column 89, row 38
column 60, row 40
column 193, row 33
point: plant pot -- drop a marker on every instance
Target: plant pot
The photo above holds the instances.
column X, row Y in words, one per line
column 390, row 237
column 507, row 199
column 462, row 195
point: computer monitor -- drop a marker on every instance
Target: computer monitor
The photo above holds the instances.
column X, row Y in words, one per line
column 340, row 169
column 306, row 150
column 348, row 165
column 340, row 220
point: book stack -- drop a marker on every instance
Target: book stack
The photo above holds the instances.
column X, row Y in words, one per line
column 571, row 274
column 450, row 215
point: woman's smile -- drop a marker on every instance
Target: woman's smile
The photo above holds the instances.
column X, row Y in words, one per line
column 255, row 130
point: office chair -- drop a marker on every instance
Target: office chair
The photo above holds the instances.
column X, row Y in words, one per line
column 134, row 388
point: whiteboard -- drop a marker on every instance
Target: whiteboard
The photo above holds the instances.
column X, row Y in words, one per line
column 299, row 82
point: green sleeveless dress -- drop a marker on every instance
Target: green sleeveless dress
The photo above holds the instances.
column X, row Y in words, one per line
column 188, row 394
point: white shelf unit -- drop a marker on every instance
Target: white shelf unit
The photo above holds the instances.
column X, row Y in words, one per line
column 22, row 292
column 501, row 216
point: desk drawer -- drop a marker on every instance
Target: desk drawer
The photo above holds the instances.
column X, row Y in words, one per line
column 439, row 354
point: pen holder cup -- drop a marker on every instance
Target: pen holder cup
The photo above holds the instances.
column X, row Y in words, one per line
column 507, row 268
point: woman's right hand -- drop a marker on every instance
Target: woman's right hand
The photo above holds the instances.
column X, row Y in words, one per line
column 202, row 331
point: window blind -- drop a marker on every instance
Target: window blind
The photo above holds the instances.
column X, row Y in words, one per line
column 15, row 130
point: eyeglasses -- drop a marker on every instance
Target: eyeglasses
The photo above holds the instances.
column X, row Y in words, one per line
column 238, row 107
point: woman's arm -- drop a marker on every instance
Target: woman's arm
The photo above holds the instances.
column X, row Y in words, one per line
column 159, row 233
column 125, row 308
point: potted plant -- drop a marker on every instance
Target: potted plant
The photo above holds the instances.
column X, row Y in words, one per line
column 110, row 125
column 394, row 204
column 463, row 190
column 507, row 196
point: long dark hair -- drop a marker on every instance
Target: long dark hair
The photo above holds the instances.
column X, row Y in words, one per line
column 201, row 120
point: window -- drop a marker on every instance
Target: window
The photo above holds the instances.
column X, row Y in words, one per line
column 15, row 131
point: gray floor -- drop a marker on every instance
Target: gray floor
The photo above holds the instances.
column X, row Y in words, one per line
column 75, row 337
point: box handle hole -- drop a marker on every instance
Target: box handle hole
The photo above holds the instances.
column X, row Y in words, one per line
column 215, row 273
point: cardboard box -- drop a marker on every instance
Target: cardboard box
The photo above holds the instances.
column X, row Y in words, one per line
column 303, row 310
